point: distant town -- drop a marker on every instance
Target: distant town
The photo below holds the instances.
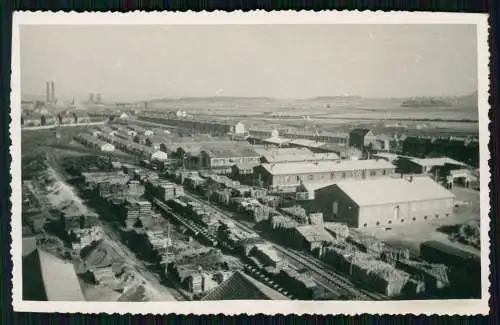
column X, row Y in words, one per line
column 210, row 200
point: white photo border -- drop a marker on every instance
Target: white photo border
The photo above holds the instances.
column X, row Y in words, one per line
column 418, row 307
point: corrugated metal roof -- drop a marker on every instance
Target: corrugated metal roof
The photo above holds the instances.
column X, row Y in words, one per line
column 240, row 286
column 325, row 166
column 393, row 190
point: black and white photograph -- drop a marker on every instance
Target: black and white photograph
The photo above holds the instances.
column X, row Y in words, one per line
column 184, row 165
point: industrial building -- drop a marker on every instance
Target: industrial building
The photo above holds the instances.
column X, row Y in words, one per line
column 277, row 141
column 319, row 136
column 343, row 150
column 194, row 125
column 306, row 143
column 311, row 237
column 384, row 202
column 285, row 175
column 261, row 133
column 362, row 138
column 220, row 158
column 435, row 166
column 282, row 155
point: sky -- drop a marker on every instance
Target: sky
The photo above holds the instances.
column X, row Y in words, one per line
column 282, row 61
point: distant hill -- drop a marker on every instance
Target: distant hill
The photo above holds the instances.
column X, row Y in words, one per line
column 209, row 99
column 467, row 100
column 426, row 102
column 335, row 98
column 462, row 101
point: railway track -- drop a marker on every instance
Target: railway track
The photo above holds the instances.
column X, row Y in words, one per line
column 321, row 272
column 191, row 225
column 199, row 230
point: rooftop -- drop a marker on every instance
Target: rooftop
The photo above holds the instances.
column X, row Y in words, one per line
column 228, row 150
column 240, row 286
column 393, row 190
column 387, row 155
column 325, row 166
column 277, row 140
column 276, row 155
column 307, row 143
column 436, row 161
column 318, row 133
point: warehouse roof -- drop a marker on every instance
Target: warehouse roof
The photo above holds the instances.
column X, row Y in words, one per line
column 317, row 133
column 436, row 161
column 277, row 140
column 240, row 286
column 314, row 186
column 393, row 190
column 307, row 143
column 228, row 150
column 276, row 155
column 325, row 166
column 387, row 155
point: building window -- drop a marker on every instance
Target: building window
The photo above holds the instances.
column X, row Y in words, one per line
column 321, row 176
column 437, row 216
column 343, row 175
column 425, row 217
column 373, row 173
column 390, row 221
column 378, row 223
column 402, row 220
column 332, row 175
column 310, row 177
column 298, row 178
column 384, row 172
column 413, row 219
column 447, row 214
column 364, row 225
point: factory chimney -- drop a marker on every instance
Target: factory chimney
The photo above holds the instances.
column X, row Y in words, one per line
column 47, row 89
column 52, row 92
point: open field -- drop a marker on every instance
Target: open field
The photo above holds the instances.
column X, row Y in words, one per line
column 320, row 108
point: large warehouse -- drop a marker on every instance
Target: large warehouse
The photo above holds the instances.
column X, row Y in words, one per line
column 292, row 174
column 384, row 202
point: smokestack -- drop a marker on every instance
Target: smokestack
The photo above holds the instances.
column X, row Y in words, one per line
column 47, row 89
column 52, row 92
